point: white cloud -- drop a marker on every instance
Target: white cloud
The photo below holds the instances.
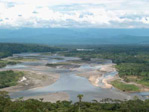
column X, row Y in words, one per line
column 74, row 13
column 145, row 20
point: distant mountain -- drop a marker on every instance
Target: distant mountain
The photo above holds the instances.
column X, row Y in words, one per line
column 63, row 36
column 130, row 39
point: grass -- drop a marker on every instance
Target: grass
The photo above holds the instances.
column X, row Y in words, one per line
column 56, row 64
column 138, row 80
column 23, row 59
column 143, row 82
column 125, row 87
column 58, row 58
column 46, row 53
column 4, row 63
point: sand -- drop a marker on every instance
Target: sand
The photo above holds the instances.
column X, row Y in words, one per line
column 92, row 76
column 95, row 75
column 108, row 68
column 107, row 81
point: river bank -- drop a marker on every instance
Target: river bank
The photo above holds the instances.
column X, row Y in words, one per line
column 50, row 97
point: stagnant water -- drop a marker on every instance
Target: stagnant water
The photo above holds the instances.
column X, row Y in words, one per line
column 68, row 82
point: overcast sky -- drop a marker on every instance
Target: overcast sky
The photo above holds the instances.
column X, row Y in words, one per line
column 74, row 13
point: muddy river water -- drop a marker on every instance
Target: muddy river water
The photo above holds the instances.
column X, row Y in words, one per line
column 68, row 82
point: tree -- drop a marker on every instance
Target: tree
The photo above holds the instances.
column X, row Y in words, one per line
column 80, row 96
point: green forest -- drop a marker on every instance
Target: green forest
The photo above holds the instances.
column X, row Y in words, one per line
column 9, row 78
column 8, row 49
column 106, row 105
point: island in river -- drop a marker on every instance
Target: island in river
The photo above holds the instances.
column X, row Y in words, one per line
column 54, row 77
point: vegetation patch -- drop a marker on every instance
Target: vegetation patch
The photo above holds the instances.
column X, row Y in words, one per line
column 58, row 58
column 22, row 59
column 4, row 63
column 8, row 49
column 125, row 87
column 9, row 78
column 133, row 69
column 144, row 81
column 57, row 64
column 134, row 72
column 107, row 105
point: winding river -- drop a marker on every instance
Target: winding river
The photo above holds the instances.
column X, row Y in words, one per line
column 68, row 82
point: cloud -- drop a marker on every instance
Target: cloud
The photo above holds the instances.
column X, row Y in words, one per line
column 74, row 13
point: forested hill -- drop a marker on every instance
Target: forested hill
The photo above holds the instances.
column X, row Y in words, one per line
column 7, row 49
column 72, row 36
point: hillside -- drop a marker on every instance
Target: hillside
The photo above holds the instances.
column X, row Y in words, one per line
column 63, row 36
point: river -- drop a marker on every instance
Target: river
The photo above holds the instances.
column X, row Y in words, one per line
column 68, row 82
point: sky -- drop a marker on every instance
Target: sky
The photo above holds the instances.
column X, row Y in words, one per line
column 74, row 13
